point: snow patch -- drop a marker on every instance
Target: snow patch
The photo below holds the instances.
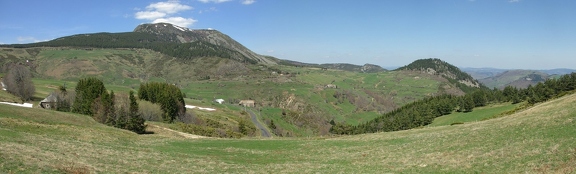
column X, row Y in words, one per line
column 201, row 108
column 26, row 105
column 179, row 28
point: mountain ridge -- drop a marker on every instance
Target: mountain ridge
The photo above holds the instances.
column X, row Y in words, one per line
column 439, row 67
column 184, row 35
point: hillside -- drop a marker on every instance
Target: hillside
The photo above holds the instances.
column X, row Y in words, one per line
column 537, row 140
column 167, row 39
column 366, row 68
column 438, row 67
column 179, row 34
column 305, row 91
column 482, row 73
column 516, row 78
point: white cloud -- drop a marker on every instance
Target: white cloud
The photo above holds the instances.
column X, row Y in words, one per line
column 149, row 15
column 180, row 21
column 214, row 1
column 170, row 7
column 166, row 12
column 248, row 2
column 512, row 1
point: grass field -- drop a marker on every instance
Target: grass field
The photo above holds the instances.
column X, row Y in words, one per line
column 537, row 140
column 477, row 114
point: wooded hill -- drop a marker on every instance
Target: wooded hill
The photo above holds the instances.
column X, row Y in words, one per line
column 167, row 39
column 438, row 67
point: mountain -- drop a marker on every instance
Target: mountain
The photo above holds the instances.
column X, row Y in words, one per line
column 366, row 68
column 558, row 71
column 168, row 39
column 482, row 73
column 515, row 78
column 179, row 34
column 436, row 66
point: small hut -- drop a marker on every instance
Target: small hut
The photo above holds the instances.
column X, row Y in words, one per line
column 49, row 102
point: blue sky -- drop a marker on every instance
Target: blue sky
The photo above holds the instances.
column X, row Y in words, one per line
column 519, row 34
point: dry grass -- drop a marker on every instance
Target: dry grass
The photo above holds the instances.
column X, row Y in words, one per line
column 538, row 140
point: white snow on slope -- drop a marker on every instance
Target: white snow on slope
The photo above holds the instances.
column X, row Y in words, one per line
column 26, row 105
column 179, row 28
column 201, row 108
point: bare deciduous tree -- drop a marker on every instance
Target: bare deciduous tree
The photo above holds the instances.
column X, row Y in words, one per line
column 18, row 81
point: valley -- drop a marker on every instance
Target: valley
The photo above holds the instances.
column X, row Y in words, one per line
column 207, row 104
column 353, row 98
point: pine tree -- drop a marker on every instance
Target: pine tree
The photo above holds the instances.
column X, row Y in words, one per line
column 122, row 118
column 136, row 122
column 87, row 90
column 111, row 119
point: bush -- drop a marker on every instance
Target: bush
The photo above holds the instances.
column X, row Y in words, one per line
column 150, row 111
column 169, row 97
column 18, row 81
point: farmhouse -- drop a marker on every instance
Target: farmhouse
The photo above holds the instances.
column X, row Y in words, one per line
column 49, row 102
column 247, row 103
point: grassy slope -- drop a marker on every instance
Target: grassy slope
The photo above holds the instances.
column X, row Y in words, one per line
column 539, row 139
column 478, row 114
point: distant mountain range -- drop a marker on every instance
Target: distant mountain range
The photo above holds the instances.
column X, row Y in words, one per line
column 500, row 78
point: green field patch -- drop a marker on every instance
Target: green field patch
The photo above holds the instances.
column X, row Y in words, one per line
column 477, row 114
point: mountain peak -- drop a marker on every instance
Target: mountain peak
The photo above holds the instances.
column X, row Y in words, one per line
column 157, row 27
column 179, row 34
column 436, row 66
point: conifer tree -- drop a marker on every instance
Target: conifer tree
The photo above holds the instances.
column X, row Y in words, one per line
column 136, row 122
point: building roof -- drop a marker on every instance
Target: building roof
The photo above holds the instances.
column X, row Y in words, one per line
column 51, row 98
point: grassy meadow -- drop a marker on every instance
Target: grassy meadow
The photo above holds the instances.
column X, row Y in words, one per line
column 540, row 139
column 479, row 114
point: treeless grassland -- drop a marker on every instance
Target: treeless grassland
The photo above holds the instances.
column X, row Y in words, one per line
column 537, row 140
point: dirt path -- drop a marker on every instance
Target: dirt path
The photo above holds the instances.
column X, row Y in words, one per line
column 254, row 119
column 185, row 135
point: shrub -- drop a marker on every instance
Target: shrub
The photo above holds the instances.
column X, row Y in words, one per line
column 18, row 81
column 150, row 111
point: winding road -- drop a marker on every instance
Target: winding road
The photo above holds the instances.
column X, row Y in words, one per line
column 254, row 119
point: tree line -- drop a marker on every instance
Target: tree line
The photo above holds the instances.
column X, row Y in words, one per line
column 93, row 99
column 423, row 112
column 169, row 97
